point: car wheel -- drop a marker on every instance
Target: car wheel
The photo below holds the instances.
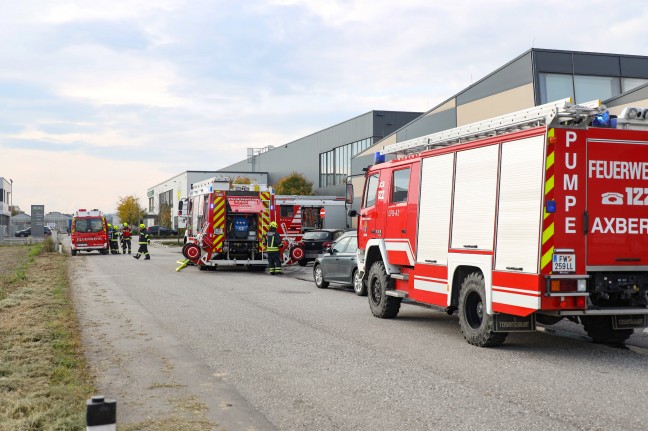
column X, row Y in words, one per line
column 318, row 275
column 359, row 286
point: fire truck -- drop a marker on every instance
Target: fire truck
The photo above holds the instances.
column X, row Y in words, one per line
column 89, row 232
column 531, row 217
column 226, row 224
column 296, row 215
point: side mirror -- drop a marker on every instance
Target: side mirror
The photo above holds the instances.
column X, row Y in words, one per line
column 349, row 194
column 352, row 213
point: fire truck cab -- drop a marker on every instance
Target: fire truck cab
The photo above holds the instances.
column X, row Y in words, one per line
column 535, row 216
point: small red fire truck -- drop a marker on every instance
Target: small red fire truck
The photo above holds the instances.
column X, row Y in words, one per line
column 89, row 232
column 534, row 216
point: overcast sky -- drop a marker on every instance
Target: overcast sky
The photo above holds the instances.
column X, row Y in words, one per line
column 102, row 99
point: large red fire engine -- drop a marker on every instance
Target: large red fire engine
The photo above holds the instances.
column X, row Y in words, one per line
column 530, row 217
column 226, row 224
column 88, row 232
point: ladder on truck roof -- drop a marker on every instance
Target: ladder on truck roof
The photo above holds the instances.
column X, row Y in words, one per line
column 560, row 111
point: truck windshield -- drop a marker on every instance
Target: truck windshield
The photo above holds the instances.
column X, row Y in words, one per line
column 88, row 225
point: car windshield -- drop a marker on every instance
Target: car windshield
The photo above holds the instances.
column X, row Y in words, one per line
column 88, row 225
column 316, row 236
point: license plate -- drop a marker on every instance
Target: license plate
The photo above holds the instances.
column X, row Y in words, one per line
column 81, row 244
column 564, row 263
column 218, row 231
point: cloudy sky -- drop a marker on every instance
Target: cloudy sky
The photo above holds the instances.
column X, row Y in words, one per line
column 102, row 99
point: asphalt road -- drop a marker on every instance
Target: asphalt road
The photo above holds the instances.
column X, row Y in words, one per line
column 262, row 352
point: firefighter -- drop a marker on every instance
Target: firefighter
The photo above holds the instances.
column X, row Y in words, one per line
column 114, row 240
column 126, row 238
column 144, row 241
column 272, row 242
column 110, row 243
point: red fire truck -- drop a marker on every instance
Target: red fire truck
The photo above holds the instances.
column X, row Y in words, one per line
column 226, row 224
column 89, row 232
column 534, row 216
column 296, row 215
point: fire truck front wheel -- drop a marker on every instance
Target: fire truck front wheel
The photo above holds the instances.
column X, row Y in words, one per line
column 74, row 252
column 476, row 324
column 383, row 306
column 601, row 330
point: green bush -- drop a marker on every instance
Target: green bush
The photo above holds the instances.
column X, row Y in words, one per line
column 48, row 245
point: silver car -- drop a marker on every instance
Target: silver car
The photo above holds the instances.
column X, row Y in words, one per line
column 338, row 265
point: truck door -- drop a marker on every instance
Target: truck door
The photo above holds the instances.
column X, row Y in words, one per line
column 617, row 201
column 368, row 212
column 399, row 248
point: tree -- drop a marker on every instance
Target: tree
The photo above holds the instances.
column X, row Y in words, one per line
column 165, row 214
column 129, row 210
column 294, row 184
column 15, row 210
column 242, row 180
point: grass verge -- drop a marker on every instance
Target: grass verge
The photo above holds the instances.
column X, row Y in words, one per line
column 44, row 379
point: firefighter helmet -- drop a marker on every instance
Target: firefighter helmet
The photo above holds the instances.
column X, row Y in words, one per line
column 125, row 224
column 273, row 224
column 142, row 225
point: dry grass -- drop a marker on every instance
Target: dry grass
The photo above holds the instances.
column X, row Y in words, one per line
column 43, row 375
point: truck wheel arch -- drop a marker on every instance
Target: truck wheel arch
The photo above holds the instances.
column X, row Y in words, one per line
column 460, row 274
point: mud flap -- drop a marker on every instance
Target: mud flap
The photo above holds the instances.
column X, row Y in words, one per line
column 629, row 321
column 510, row 323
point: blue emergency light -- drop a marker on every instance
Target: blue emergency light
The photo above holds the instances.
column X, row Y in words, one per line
column 379, row 158
column 550, row 207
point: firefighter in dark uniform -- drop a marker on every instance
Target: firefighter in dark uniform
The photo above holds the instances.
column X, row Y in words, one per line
column 126, row 238
column 144, row 241
column 114, row 240
column 272, row 242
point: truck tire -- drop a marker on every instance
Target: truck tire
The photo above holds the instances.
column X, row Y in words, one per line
column 74, row 252
column 318, row 275
column 359, row 286
column 599, row 328
column 381, row 305
column 476, row 324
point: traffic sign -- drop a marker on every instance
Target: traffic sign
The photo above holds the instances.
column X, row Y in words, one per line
column 322, row 213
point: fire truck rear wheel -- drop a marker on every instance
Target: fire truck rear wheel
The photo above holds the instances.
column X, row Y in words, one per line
column 476, row 324
column 600, row 329
column 383, row 306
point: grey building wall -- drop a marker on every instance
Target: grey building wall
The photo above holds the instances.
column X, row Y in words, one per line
column 637, row 97
column 302, row 155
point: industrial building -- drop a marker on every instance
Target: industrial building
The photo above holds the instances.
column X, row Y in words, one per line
column 538, row 76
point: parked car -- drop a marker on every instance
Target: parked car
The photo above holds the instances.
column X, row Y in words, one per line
column 27, row 232
column 338, row 265
column 161, row 231
column 313, row 243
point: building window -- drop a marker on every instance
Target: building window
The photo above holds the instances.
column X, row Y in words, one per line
column 151, row 204
column 555, row 87
column 628, row 84
column 583, row 88
column 335, row 165
column 590, row 88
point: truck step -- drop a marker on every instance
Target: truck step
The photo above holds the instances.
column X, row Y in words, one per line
column 396, row 293
column 399, row 276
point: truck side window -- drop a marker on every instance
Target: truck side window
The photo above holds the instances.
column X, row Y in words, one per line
column 370, row 191
column 400, row 185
